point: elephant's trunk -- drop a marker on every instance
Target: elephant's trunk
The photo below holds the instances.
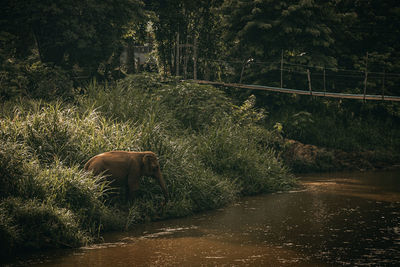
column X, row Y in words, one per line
column 162, row 185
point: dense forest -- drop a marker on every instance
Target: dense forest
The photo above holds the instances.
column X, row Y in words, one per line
column 72, row 85
column 48, row 49
column 212, row 40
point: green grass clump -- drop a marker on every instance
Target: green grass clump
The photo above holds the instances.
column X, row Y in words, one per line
column 33, row 224
column 210, row 152
column 49, row 205
column 233, row 152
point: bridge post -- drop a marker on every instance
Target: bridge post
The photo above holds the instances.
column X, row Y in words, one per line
column 309, row 81
column 282, row 69
column 366, row 76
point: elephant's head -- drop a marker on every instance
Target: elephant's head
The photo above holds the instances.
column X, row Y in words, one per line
column 151, row 167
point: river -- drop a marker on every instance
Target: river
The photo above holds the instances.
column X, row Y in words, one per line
column 336, row 219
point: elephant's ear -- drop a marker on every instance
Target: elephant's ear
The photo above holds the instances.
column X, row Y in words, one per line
column 145, row 160
column 148, row 159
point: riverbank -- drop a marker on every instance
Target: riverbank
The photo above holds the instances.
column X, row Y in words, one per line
column 303, row 158
column 209, row 151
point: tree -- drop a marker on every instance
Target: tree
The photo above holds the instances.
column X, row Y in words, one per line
column 197, row 25
column 67, row 32
column 372, row 27
column 263, row 29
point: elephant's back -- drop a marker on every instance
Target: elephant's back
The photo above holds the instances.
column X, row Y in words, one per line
column 114, row 163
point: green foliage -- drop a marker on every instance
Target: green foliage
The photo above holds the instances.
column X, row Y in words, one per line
column 33, row 79
column 192, row 20
column 290, row 26
column 196, row 106
column 68, row 32
column 48, row 82
column 341, row 124
column 32, row 224
column 210, row 151
column 16, row 174
column 13, row 80
column 233, row 152
column 31, row 214
column 9, row 234
column 299, row 124
column 248, row 114
column 40, row 191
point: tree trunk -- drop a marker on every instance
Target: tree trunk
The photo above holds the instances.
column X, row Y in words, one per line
column 195, row 58
column 131, row 58
column 177, row 55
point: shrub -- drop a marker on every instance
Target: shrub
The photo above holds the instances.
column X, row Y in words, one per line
column 40, row 225
column 53, row 195
column 34, row 79
column 231, row 151
column 17, row 172
column 195, row 106
column 48, row 82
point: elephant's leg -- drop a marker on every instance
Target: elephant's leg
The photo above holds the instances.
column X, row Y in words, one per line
column 133, row 186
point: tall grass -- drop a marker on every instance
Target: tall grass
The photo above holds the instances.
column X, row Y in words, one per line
column 209, row 155
column 234, row 152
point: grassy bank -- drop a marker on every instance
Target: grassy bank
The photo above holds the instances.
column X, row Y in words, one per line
column 325, row 134
column 349, row 134
column 211, row 151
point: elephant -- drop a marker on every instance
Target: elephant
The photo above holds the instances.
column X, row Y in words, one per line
column 124, row 169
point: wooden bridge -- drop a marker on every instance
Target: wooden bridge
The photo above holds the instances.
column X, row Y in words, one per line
column 302, row 92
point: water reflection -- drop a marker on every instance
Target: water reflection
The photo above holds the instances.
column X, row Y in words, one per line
column 335, row 219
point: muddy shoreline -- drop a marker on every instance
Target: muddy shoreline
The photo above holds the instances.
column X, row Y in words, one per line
column 305, row 158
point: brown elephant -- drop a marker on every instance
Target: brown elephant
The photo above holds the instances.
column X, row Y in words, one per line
column 125, row 169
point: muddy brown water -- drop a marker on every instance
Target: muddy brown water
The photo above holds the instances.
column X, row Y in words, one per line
column 338, row 219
